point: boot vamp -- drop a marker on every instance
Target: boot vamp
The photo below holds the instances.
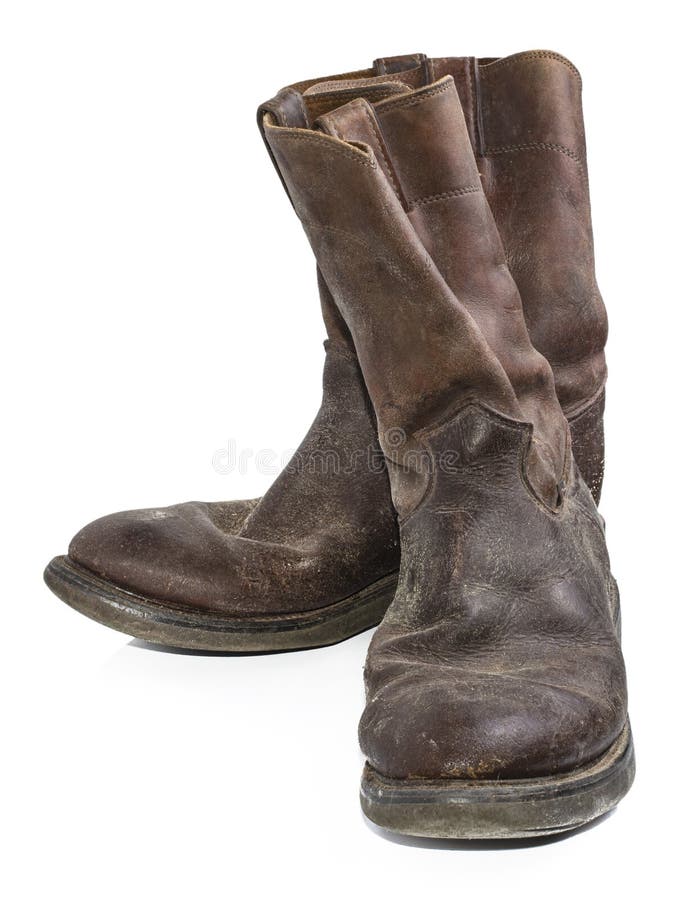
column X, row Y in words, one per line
column 325, row 529
column 182, row 555
column 499, row 657
column 517, row 708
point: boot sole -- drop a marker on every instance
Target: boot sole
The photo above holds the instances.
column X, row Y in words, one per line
column 521, row 808
column 187, row 629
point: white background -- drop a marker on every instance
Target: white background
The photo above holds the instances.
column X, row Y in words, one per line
column 158, row 301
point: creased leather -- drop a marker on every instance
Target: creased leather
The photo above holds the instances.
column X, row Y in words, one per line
column 325, row 529
column 114, row 547
column 422, row 145
column 499, row 656
column 370, row 254
column 525, row 121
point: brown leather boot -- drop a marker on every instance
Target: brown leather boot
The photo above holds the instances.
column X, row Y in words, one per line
column 496, row 686
column 311, row 563
column 315, row 560
column 525, row 123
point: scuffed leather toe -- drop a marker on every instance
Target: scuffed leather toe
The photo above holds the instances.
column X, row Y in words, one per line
column 176, row 553
column 180, row 555
column 196, row 555
column 502, row 717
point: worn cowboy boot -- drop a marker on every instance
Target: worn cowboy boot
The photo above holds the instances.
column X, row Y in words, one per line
column 311, row 563
column 496, row 686
column 315, row 560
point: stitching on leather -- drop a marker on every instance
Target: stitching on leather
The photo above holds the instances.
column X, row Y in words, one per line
column 535, row 145
column 355, row 155
column 318, row 103
column 300, row 103
column 446, row 195
column 301, row 86
column 526, row 428
column 384, row 87
column 412, row 100
column 275, row 110
column 535, row 54
column 470, row 93
column 380, row 146
column 281, row 112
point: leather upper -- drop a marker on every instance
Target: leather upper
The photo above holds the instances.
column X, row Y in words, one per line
column 276, row 564
column 499, row 656
column 325, row 529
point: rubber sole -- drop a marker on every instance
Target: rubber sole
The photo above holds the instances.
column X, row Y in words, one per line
column 521, row 808
column 145, row 618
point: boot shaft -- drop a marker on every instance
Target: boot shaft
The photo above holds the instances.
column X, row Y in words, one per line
column 525, row 120
column 525, row 123
column 355, row 180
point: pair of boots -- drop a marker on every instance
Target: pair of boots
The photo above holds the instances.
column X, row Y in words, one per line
column 448, row 485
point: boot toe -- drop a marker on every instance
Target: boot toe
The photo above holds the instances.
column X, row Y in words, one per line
column 151, row 551
column 478, row 725
column 183, row 556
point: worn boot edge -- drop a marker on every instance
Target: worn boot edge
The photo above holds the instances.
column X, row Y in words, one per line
column 158, row 623
column 483, row 809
